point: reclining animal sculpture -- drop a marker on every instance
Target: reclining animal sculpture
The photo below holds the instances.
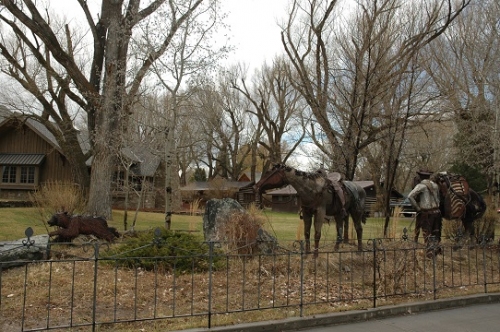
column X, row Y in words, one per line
column 72, row 226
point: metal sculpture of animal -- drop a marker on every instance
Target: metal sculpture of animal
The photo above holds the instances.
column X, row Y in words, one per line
column 318, row 200
column 72, row 226
column 457, row 201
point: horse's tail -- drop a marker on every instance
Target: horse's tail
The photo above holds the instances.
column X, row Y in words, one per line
column 358, row 195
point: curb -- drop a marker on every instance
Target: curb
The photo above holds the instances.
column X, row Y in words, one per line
column 337, row 318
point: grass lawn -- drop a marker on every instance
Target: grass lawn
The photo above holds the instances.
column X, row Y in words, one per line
column 285, row 226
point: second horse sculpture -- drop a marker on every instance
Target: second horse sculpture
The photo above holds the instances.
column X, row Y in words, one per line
column 318, row 199
column 457, row 201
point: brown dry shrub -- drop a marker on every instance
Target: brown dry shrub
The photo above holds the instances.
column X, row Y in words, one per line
column 194, row 207
column 452, row 229
column 485, row 226
column 240, row 230
column 56, row 196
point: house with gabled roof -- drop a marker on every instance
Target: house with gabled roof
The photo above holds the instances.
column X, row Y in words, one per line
column 30, row 156
column 201, row 191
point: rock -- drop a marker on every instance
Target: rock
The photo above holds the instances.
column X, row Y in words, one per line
column 217, row 212
column 22, row 251
column 266, row 243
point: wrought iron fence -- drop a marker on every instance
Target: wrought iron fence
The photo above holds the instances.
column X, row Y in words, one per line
column 83, row 287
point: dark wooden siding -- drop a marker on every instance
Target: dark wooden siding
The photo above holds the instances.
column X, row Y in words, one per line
column 25, row 140
column 285, row 203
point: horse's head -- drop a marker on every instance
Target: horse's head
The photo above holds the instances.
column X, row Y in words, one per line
column 59, row 219
column 441, row 181
column 274, row 178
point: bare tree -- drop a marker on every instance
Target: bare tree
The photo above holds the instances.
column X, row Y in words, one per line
column 360, row 85
column 45, row 97
column 277, row 106
column 227, row 127
column 464, row 65
column 107, row 90
column 344, row 98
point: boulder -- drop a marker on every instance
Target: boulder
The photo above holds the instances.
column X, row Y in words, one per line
column 217, row 212
column 22, row 251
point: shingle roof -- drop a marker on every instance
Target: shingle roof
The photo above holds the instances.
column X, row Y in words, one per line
column 145, row 163
column 21, row 159
column 204, row 185
column 41, row 130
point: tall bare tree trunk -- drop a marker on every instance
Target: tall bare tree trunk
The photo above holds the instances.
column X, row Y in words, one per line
column 110, row 115
column 100, row 184
column 169, row 160
column 126, row 186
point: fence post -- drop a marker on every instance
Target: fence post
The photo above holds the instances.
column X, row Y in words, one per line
column 374, row 243
column 302, row 255
column 94, row 296
column 431, row 250
column 483, row 244
column 210, row 269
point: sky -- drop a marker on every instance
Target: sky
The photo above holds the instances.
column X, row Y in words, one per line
column 254, row 30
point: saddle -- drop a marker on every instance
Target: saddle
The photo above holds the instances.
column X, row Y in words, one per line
column 338, row 186
column 456, row 195
column 454, row 191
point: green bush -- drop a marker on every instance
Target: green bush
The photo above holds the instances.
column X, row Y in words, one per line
column 164, row 250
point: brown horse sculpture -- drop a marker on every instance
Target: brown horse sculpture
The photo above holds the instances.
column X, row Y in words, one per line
column 318, row 200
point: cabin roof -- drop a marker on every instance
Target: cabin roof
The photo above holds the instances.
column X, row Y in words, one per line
column 21, row 159
column 206, row 185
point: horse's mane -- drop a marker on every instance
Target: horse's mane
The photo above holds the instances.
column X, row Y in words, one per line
column 307, row 175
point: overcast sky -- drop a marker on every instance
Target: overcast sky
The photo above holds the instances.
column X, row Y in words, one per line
column 254, row 30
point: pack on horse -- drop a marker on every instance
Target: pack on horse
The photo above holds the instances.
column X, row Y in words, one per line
column 318, row 200
column 457, row 200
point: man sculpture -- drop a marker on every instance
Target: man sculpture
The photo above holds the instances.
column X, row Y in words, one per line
column 425, row 199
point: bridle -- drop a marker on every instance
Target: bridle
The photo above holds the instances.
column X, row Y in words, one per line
column 281, row 173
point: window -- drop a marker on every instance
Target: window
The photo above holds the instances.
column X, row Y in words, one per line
column 27, row 174
column 9, row 174
column 20, row 175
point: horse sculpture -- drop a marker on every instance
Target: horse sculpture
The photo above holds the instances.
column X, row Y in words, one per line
column 318, row 200
column 457, row 201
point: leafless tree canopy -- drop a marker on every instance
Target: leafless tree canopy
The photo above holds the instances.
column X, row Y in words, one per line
column 368, row 86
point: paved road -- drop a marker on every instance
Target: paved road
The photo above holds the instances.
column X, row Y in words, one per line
column 473, row 313
column 474, row 318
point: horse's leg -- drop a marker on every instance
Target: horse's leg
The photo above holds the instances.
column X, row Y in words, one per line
column 357, row 218
column 319, row 217
column 346, row 228
column 66, row 233
column 339, row 223
column 307, row 217
column 469, row 233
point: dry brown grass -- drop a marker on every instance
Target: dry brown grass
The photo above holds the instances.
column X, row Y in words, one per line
column 240, row 230
column 486, row 225
column 56, row 196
